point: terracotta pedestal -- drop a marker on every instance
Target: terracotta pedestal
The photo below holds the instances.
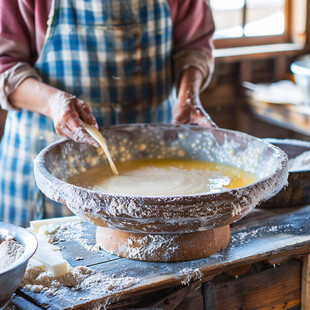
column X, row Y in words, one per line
column 163, row 247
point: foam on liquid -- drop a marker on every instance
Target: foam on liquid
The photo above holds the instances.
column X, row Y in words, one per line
column 163, row 177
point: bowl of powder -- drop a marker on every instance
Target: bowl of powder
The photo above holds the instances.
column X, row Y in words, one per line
column 17, row 245
column 297, row 192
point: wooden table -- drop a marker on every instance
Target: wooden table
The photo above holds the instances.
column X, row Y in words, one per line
column 288, row 116
column 266, row 237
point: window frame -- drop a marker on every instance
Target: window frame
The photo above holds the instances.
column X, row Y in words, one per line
column 286, row 37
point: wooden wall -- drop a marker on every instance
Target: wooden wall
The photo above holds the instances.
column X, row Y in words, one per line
column 226, row 101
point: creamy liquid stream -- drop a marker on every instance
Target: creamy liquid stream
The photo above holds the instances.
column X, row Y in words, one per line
column 163, row 177
column 95, row 134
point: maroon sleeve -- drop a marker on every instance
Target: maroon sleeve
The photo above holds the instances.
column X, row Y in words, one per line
column 193, row 25
column 16, row 33
column 193, row 28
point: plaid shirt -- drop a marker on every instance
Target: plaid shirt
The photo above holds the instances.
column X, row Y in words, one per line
column 123, row 70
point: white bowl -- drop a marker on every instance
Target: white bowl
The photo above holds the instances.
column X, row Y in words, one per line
column 11, row 275
column 301, row 71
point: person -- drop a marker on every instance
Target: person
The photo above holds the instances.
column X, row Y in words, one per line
column 101, row 61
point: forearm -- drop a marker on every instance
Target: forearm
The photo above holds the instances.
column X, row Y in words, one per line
column 188, row 108
column 190, row 81
column 65, row 110
column 193, row 28
column 34, row 96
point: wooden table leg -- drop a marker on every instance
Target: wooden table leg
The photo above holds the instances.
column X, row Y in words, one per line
column 208, row 296
column 305, row 284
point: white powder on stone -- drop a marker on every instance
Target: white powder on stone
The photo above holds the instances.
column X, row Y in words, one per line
column 301, row 162
column 10, row 251
column 149, row 247
column 81, row 278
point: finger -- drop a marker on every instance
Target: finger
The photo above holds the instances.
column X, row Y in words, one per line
column 180, row 119
column 85, row 113
column 78, row 131
column 202, row 118
column 205, row 122
column 81, row 135
column 76, row 135
column 60, row 131
column 65, row 132
column 177, row 122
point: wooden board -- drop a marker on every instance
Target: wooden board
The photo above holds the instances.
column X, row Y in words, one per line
column 292, row 117
column 261, row 235
column 305, row 292
column 276, row 288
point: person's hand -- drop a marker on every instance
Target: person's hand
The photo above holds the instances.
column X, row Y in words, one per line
column 65, row 110
column 189, row 110
column 67, row 113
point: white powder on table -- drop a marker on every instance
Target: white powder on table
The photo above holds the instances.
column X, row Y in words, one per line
column 301, row 162
column 10, row 251
column 81, row 278
column 71, row 231
column 188, row 275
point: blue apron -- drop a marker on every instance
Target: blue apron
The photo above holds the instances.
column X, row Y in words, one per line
column 115, row 55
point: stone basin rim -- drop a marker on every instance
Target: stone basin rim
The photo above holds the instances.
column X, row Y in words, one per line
column 41, row 168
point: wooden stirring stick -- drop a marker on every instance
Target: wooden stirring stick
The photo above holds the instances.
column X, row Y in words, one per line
column 95, row 134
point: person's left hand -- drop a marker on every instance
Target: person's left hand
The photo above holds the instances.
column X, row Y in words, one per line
column 189, row 110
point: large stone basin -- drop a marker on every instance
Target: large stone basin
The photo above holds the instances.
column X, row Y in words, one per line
column 165, row 214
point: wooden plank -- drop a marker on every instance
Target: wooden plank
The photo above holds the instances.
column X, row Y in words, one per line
column 305, row 284
column 258, row 127
column 193, row 301
column 18, row 302
column 280, row 67
column 277, row 288
column 257, row 52
column 76, row 246
column 261, row 235
column 250, row 41
column 175, row 300
column 296, row 118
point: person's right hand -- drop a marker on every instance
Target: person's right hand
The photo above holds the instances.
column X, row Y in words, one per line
column 67, row 111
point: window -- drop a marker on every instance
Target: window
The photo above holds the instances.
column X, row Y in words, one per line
column 251, row 22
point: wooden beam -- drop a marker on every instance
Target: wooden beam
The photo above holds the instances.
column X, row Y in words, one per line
column 307, row 44
column 207, row 291
column 235, row 54
column 280, row 67
column 245, row 71
column 305, row 284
